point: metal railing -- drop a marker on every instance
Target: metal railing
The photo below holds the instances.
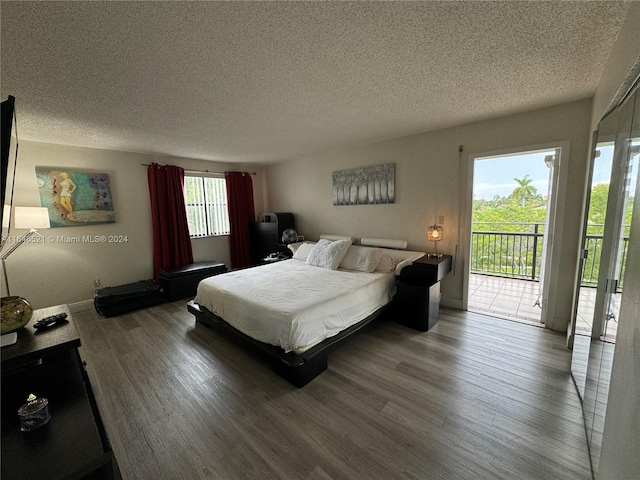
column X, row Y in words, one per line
column 591, row 266
column 513, row 254
column 518, row 253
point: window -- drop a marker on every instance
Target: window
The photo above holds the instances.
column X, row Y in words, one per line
column 206, row 201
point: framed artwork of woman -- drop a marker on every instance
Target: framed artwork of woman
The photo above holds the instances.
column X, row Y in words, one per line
column 75, row 197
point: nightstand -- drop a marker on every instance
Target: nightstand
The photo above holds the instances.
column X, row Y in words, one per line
column 73, row 444
column 417, row 300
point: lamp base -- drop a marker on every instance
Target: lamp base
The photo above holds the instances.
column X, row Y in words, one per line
column 16, row 313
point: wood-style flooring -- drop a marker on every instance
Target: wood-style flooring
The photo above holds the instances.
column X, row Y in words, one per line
column 474, row 398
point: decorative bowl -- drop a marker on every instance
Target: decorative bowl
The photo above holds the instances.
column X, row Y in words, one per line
column 34, row 413
column 15, row 312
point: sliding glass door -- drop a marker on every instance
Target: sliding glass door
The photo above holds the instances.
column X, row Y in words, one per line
column 617, row 150
column 624, row 173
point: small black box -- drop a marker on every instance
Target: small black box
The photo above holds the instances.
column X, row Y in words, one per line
column 181, row 282
column 111, row 301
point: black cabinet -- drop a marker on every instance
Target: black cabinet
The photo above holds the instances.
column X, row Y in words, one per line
column 73, row 444
column 266, row 237
column 417, row 300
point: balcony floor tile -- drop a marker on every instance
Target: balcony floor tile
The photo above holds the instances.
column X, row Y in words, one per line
column 514, row 299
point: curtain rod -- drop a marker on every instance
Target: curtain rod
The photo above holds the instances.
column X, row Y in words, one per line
column 202, row 171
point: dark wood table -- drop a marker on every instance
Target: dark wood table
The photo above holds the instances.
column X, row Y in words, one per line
column 72, row 445
column 417, row 300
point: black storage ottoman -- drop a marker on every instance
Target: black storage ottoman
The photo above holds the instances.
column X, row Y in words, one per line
column 111, row 301
column 181, row 282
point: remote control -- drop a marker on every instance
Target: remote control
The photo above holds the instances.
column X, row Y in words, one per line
column 48, row 321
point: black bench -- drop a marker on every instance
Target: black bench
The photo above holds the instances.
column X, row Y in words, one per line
column 181, row 282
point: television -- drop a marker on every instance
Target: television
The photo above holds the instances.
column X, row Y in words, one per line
column 8, row 159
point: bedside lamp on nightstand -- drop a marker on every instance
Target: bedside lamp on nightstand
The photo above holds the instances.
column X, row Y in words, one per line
column 434, row 234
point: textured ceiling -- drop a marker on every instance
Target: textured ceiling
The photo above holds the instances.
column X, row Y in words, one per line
column 261, row 82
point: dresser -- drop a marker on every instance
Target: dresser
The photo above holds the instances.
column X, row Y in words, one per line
column 417, row 300
column 73, row 444
column 266, row 237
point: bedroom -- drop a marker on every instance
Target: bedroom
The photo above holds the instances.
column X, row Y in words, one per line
column 427, row 176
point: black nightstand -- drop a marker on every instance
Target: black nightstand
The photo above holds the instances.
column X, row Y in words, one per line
column 73, row 444
column 417, row 300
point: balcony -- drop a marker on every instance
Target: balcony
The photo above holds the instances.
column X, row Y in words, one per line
column 515, row 250
column 512, row 298
column 506, row 264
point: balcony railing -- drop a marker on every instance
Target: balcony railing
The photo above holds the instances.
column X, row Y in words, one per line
column 514, row 250
column 591, row 266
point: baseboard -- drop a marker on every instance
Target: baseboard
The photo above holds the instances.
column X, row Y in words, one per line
column 451, row 302
column 82, row 306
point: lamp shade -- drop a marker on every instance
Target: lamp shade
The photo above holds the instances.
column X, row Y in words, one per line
column 6, row 215
column 32, row 217
column 434, row 233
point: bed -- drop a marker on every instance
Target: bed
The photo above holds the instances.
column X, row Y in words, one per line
column 299, row 310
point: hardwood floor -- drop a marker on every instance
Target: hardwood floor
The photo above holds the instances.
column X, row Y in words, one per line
column 476, row 397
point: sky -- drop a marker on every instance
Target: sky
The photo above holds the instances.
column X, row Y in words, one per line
column 602, row 164
column 495, row 175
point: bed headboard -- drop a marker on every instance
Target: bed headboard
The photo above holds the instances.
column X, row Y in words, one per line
column 370, row 241
column 337, row 237
column 384, row 242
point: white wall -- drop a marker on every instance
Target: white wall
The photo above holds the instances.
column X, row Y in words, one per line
column 430, row 182
column 56, row 272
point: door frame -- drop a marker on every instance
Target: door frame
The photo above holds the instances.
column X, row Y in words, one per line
column 556, row 204
column 571, row 331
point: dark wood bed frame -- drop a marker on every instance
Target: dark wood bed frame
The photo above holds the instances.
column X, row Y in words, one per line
column 297, row 368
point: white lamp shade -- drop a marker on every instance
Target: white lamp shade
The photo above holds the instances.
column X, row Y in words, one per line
column 6, row 214
column 32, row 217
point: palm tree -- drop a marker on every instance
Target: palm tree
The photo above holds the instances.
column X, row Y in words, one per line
column 524, row 189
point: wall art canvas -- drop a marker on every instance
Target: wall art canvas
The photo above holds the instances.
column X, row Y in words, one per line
column 365, row 185
column 75, row 197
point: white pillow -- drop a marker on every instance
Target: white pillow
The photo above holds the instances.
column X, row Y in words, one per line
column 397, row 259
column 302, row 252
column 362, row 259
column 327, row 254
column 387, row 263
column 294, row 246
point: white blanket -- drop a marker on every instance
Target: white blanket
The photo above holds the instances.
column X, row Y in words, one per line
column 293, row 305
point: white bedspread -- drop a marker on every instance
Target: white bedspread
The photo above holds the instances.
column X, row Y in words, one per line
column 294, row 305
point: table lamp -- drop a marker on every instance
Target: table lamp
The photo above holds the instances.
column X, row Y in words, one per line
column 434, row 234
column 25, row 217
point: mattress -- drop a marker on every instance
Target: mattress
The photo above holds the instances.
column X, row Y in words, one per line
column 293, row 305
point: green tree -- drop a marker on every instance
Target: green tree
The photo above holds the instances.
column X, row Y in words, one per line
column 597, row 209
column 506, row 245
column 524, row 190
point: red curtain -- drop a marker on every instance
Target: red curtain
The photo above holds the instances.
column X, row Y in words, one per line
column 171, row 241
column 241, row 213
